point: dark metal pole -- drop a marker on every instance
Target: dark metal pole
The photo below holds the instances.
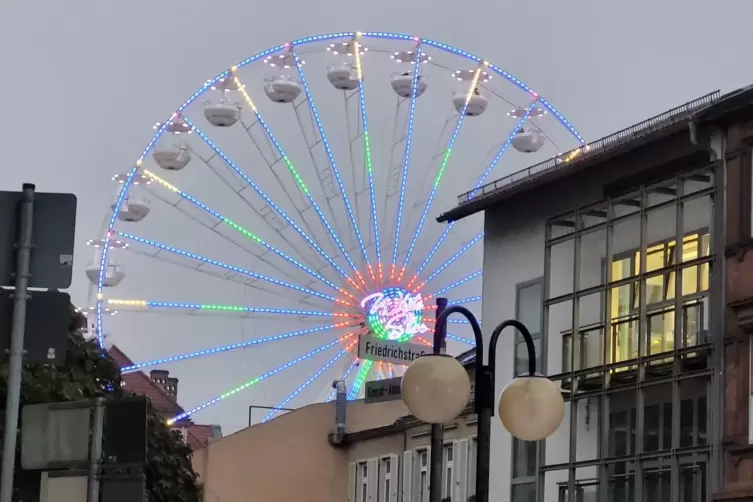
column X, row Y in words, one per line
column 12, row 403
column 437, row 430
column 484, row 387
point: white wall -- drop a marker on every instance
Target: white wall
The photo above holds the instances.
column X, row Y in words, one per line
column 514, row 253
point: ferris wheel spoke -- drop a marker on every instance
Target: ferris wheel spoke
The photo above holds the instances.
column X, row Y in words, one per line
column 442, row 167
column 456, row 284
column 219, row 264
column 277, row 208
column 367, row 161
column 193, row 308
column 319, row 372
column 482, row 178
column 250, row 236
column 330, row 157
column 240, row 345
column 258, row 379
column 406, row 157
column 360, row 379
column 294, row 173
column 446, row 264
column 461, row 339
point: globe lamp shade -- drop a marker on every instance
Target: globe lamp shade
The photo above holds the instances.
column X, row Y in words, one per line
column 531, row 408
column 436, row 388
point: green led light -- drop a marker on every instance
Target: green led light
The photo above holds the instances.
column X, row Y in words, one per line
column 442, row 166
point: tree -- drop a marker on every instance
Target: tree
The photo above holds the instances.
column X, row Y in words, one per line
column 90, row 373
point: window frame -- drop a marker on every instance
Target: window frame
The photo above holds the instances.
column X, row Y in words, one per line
column 384, row 479
column 539, row 336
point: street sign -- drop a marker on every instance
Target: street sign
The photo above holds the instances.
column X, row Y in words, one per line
column 379, row 391
column 54, row 226
column 390, row 351
column 48, row 315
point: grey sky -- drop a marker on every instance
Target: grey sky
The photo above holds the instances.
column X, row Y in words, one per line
column 85, row 81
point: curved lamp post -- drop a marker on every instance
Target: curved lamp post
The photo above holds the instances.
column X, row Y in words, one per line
column 436, row 389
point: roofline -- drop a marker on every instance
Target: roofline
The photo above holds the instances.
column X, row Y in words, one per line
column 620, row 142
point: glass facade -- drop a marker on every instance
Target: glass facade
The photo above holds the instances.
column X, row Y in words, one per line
column 627, row 311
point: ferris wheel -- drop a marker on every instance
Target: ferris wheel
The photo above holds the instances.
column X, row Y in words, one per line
column 290, row 202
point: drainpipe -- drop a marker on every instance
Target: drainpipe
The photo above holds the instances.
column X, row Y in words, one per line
column 341, row 404
column 715, row 144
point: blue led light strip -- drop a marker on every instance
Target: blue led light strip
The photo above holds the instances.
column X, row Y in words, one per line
column 330, row 156
column 454, row 257
column 256, row 57
column 406, row 156
column 458, row 283
column 249, row 383
column 194, row 256
column 470, row 299
column 367, row 152
column 243, row 231
column 226, row 348
column 299, row 182
column 480, row 182
column 266, row 198
column 305, row 384
column 461, row 339
column 153, row 304
column 435, row 185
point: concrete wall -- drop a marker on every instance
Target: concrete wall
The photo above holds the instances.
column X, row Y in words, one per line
column 287, row 459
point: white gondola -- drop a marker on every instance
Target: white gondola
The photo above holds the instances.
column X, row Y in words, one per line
column 402, row 84
column 113, row 275
column 223, row 113
column 528, row 140
column 282, row 88
column 172, row 156
column 477, row 102
column 171, row 152
column 133, row 208
column 342, row 76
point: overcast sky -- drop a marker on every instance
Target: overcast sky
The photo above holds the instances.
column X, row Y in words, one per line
column 84, row 82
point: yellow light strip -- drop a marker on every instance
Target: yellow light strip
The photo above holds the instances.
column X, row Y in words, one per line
column 159, row 180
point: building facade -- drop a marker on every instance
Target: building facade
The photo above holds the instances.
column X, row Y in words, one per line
column 633, row 276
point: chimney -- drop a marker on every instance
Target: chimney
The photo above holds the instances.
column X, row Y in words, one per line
column 163, row 379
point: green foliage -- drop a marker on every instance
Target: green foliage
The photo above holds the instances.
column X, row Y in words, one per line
column 86, row 375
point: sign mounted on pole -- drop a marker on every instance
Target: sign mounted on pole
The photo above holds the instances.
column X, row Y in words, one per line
column 378, row 391
column 390, row 351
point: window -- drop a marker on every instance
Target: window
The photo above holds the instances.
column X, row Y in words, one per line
column 362, row 481
column 528, row 311
column 660, row 295
column 423, row 476
column 385, row 475
column 448, row 462
column 624, row 307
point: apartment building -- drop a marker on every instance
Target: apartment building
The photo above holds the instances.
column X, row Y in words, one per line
column 635, row 275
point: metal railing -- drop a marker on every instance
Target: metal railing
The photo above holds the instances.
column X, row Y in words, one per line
column 659, row 122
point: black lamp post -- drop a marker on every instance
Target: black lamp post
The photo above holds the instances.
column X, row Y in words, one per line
column 531, row 406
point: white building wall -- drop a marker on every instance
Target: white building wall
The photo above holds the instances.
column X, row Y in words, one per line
column 514, row 253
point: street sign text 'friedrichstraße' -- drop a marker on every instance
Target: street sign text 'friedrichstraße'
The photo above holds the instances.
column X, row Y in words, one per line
column 390, row 351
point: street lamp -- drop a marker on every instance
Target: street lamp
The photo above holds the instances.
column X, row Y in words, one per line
column 530, row 407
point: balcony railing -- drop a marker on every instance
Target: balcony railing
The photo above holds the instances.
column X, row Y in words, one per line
column 602, row 145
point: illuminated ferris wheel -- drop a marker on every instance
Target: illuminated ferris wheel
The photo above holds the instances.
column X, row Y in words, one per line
column 296, row 202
